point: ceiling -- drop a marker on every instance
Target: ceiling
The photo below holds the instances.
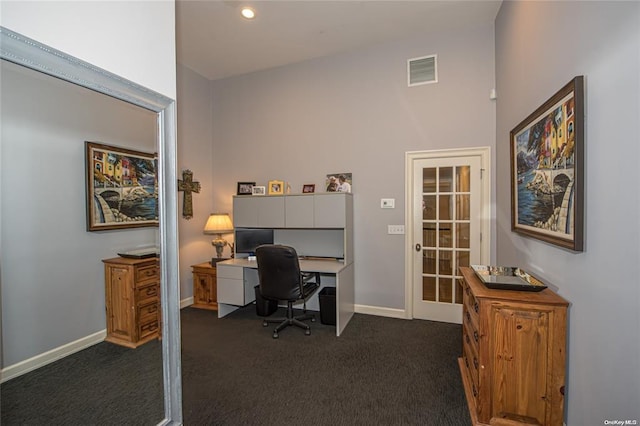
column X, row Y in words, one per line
column 216, row 42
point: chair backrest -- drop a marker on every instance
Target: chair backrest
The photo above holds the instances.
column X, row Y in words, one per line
column 279, row 272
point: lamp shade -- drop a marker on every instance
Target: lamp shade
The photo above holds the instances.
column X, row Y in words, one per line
column 218, row 223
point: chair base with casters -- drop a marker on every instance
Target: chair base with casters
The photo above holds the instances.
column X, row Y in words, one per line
column 290, row 320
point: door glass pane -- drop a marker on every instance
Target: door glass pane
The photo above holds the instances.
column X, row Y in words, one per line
column 446, row 207
column 462, row 258
column 445, row 288
column 446, row 262
column 429, row 235
column 463, row 179
column 458, row 290
column 446, row 179
column 429, row 179
column 445, row 235
column 462, row 235
column 429, row 288
column 463, row 207
column 428, row 207
column 429, row 262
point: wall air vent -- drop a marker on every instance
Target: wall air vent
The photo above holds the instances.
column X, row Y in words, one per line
column 422, row 70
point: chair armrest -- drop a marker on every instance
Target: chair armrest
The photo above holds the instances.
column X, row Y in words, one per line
column 307, row 276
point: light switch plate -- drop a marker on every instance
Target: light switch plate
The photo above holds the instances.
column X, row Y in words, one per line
column 387, row 203
column 396, row 229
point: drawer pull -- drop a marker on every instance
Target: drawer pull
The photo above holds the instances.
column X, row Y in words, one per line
column 475, row 336
column 150, row 327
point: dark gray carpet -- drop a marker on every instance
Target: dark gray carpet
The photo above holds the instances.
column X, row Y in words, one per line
column 381, row 371
column 104, row 384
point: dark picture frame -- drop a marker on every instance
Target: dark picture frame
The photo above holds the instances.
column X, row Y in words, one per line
column 308, row 188
column 121, row 187
column 245, row 188
column 547, row 170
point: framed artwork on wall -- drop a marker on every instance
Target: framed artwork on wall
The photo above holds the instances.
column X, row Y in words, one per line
column 547, row 165
column 122, row 188
column 308, row 188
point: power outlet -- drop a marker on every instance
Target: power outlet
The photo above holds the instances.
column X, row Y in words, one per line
column 396, row 229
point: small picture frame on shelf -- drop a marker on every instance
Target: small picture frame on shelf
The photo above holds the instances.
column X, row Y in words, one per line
column 276, row 187
column 339, row 182
column 258, row 190
column 245, row 188
column 308, row 188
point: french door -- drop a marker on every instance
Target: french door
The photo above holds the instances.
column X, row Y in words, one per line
column 446, row 230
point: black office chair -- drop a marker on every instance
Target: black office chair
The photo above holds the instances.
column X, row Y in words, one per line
column 280, row 279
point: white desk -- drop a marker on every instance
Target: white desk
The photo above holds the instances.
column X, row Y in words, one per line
column 238, row 277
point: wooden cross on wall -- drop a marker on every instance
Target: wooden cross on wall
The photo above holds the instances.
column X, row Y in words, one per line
column 187, row 185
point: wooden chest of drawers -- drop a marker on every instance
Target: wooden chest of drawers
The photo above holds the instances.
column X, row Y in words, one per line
column 513, row 354
column 132, row 293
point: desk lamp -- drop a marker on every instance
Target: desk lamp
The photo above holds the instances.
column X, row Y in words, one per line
column 218, row 224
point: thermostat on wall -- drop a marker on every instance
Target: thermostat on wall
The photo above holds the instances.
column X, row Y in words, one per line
column 387, row 203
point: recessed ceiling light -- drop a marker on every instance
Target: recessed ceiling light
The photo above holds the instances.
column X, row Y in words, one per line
column 248, row 13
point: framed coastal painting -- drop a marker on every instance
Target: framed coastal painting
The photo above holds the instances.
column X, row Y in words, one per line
column 547, row 170
column 122, row 188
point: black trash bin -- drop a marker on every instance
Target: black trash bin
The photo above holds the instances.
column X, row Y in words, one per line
column 264, row 307
column 327, row 298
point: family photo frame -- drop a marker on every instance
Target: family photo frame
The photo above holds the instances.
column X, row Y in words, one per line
column 245, row 188
column 276, row 187
column 547, row 170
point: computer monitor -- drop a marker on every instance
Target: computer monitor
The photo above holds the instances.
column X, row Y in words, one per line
column 248, row 239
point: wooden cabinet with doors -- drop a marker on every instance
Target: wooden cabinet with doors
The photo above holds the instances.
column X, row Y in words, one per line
column 513, row 358
column 132, row 293
column 205, row 289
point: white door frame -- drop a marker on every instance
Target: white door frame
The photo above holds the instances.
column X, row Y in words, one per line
column 485, row 209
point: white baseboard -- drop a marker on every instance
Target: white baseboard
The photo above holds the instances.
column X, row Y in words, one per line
column 186, row 302
column 379, row 311
column 48, row 357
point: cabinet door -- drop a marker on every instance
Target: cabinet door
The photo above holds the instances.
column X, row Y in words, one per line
column 201, row 289
column 245, row 211
column 519, row 346
column 271, row 212
column 120, row 297
column 299, row 211
column 330, row 210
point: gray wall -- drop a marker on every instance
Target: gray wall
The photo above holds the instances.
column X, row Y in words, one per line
column 52, row 278
column 354, row 113
column 540, row 46
column 195, row 106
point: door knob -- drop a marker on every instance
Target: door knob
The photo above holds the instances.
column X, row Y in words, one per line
column 418, row 247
